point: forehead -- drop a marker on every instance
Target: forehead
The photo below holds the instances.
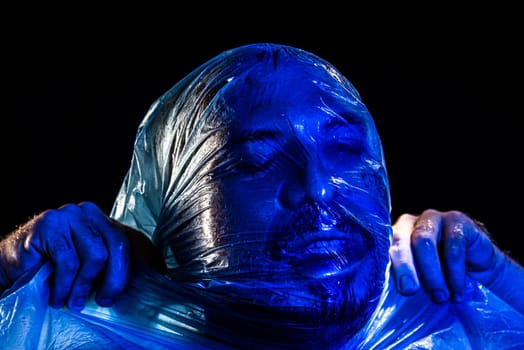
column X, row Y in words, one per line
column 291, row 98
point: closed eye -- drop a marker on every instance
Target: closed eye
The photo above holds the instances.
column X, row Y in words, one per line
column 256, row 156
column 257, row 150
column 343, row 136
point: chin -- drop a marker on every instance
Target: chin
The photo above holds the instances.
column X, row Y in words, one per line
column 308, row 313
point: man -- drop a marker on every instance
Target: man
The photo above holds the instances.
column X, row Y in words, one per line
column 261, row 179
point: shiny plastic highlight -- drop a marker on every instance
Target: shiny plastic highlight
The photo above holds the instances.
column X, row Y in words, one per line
column 261, row 177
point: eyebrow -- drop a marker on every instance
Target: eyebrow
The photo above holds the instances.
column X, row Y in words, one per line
column 333, row 124
column 337, row 122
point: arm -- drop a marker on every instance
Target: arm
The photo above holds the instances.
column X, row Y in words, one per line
column 439, row 249
column 88, row 250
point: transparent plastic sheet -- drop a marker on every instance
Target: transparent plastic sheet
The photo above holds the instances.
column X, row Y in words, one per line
column 215, row 181
column 147, row 318
column 482, row 321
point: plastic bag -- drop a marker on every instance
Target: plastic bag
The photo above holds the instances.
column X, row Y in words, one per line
column 148, row 317
column 262, row 178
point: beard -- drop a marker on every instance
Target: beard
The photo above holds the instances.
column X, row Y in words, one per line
column 305, row 289
column 304, row 313
column 308, row 280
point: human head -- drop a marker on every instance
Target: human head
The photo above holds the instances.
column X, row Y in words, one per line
column 262, row 174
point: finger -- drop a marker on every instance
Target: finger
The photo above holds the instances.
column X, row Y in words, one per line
column 402, row 263
column 424, row 242
column 454, row 253
column 482, row 257
column 92, row 253
column 57, row 244
column 116, row 273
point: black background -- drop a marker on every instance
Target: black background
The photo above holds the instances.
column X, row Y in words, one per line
column 444, row 88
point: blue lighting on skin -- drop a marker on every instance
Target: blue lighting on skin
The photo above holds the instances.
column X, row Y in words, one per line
column 275, row 199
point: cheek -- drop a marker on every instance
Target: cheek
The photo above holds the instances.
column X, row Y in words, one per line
column 249, row 205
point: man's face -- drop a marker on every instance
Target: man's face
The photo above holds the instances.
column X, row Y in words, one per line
column 305, row 202
column 307, row 184
column 289, row 204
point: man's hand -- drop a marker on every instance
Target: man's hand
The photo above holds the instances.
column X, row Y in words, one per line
column 88, row 250
column 438, row 250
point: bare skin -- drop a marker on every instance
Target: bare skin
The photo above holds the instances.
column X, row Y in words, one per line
column 437, row 250
column 91, row 252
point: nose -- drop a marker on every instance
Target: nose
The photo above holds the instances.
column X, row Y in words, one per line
column 318, row 185
column 312, row 184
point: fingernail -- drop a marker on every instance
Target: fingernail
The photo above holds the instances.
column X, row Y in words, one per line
column 407, row 284
column 438, row 296
column 79, row 303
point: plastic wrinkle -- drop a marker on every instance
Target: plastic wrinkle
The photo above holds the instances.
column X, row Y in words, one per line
column 141, row 320
column 261, row 177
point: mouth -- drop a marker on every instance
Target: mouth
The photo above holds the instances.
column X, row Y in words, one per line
column 324, row 253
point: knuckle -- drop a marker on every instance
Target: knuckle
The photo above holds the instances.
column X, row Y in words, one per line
column 456, row 215
column 406, row 217
column 88, row 207
column 70, row 265
column 424, row 243
column 48, row 219
column 430, row 212
column 98, row 257
column 400, row 259
column 455, row 249
column 395, row 252
column 71, row 209
column 397, row 236
column 424, row 228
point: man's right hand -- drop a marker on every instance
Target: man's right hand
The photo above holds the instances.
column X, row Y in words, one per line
column 88, row 251
column 438, row 250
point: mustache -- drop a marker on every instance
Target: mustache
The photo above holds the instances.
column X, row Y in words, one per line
column 320, row 241
column 317, row 217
